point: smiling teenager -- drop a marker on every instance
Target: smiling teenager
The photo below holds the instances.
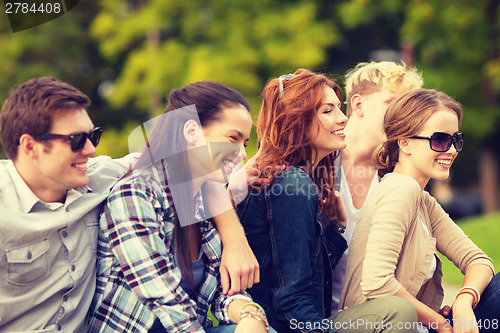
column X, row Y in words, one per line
column 401, row 228
column 293, row 224
column 50, row 198
column 159, row 250
column 369, row 87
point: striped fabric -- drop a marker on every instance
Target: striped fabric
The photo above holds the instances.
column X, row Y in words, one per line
column 138, row 279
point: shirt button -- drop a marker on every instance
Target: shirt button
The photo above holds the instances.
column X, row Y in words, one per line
column 29, row 255
column 64, row 234
column 73, row 268
column 59, row 327
column 67, row 209
column 65, row 298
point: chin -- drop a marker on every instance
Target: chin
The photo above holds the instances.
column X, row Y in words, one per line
column 81, row 183
column 442, row 176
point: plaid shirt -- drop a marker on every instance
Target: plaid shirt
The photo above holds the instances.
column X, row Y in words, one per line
column 138, row 279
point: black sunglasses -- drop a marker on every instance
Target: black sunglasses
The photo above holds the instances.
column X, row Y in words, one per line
column 441, row 142
column 77, row 140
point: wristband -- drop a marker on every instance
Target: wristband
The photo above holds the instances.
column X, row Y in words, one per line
column 471, row 291
column 257, row 313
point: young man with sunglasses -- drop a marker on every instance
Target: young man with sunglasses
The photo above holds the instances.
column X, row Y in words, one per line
column 50, row 196
column 369, row 87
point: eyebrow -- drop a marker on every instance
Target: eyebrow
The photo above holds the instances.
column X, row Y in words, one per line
column 241, row 135
column 332, row 105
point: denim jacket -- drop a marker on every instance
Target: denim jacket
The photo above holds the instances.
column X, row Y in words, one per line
column 296, row 248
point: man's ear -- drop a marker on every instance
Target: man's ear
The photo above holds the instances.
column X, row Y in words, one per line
column 192, row 132
column 28, row 146
column 405, row 145
column 356, row 105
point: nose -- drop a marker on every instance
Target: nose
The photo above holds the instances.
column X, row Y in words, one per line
column 243, row 151
column 341, row 117
column 452, row 150
column 88, row 149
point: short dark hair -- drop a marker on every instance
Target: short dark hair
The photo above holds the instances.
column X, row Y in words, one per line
column 31, row 107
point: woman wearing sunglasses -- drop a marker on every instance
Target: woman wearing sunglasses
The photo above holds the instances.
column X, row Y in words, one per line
column 292, row 224
column 159, row 251
column 401, row 228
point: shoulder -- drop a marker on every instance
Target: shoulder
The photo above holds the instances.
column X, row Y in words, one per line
column 293, row 181
column 293, row 175
column 139, row 187
column 4, row 175
column 105, row 166
column 398, row 186
column 144, row 181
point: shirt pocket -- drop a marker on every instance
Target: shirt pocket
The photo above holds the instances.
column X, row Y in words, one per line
column 27, row 263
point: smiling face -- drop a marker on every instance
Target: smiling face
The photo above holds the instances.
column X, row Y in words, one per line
column 424, row 163
column 328, row 128
column 59, row 168
column 226, row 140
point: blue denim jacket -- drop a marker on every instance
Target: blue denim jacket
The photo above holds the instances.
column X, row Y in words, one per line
column 296, row 249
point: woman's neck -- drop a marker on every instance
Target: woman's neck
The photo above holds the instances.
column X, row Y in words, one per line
column 401, row 169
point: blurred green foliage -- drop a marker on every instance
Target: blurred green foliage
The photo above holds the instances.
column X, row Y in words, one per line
column 128, row 54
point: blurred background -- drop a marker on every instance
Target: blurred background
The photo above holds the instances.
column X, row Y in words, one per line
column 126, row 55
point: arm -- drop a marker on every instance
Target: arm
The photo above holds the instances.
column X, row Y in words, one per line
column 239, row 268
column 426, row 315
column 476, row 266
column 477, row 276
column 245, row 324
column 135, row 223
column 452, row 241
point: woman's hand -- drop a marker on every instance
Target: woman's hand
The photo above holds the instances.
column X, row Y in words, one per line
column 239, row 268
column 249, row 176
column 464, row 320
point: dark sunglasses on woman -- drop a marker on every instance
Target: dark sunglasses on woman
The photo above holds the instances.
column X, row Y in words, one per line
column 441, row 142
column 76, row 140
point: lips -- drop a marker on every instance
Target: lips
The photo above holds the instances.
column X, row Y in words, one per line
column 230, row 164
column 339, row 132
column 444, row 162
column 82, row 165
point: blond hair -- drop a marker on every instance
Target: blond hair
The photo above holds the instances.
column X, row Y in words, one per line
column 406, row 117
column 370, row 77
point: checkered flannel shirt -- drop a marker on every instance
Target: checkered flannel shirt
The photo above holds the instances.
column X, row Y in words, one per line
column 138, row 279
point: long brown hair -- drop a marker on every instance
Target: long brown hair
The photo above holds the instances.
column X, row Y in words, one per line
column 167, row 143
column 405, row 117
column 287, row 113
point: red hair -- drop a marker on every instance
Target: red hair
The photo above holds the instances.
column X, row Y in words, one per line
column 284, row 128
